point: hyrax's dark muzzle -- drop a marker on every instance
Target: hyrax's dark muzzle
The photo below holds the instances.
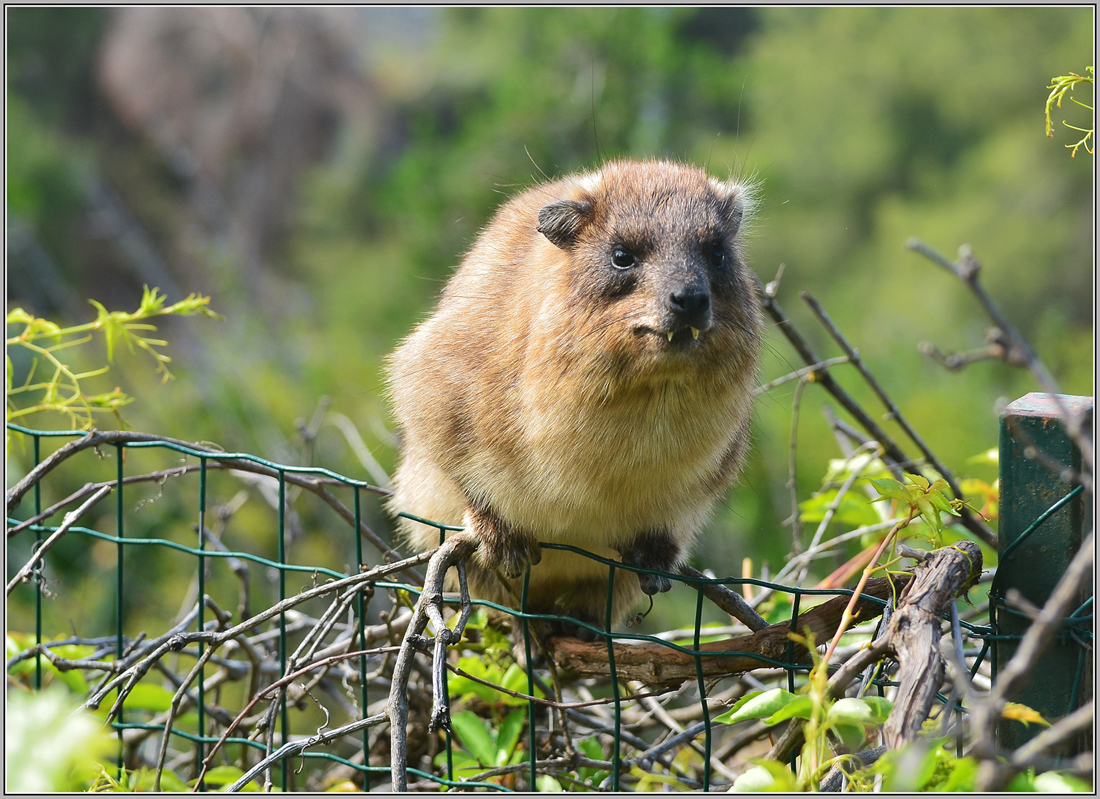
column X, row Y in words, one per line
column 690, row 306
column 687, row 302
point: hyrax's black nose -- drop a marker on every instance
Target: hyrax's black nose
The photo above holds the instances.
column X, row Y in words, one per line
column 689, row 305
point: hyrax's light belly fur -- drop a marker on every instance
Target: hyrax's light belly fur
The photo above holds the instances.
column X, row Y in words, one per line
column 585, row 380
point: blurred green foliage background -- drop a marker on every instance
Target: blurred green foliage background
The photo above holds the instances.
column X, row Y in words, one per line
column 320, row 172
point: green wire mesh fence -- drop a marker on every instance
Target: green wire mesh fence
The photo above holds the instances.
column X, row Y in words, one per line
column 307, row 680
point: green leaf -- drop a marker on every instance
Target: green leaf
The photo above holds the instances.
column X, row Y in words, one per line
column 486, row 670
column 912, row 767
column 890, row 489
column 778, row 610
column 155, row 698
column 852, row 509
column 144, row 778
column 1054, row 782
column 348, row 786
column 461, row 760
column 852, row 711
column 544, row 783
column 73, row 651
column 880, row 708
column 224, row 775
column 961, row 777
column 1023, row 782
column 991, row 456
column 73, row 678
column 930, row 514
column 36, row 326
column 851, row 735
column 110, row 326
column 919, row 480
column 14, row 643
column 942, row 503
column 475, row 736
column 508, row 734
column 151, row 303
column 800, row 707
column 755, row 780
column 767, row 775
column 757, row 705
column 17, row 316
column 593, row 749
column 515, row 679
column 49, row 744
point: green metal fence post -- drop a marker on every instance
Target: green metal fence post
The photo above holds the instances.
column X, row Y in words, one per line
column 1043, row 518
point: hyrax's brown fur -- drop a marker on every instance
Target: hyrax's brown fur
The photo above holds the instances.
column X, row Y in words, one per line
column 586, row 380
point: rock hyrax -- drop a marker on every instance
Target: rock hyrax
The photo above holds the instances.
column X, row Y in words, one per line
column 586, row 380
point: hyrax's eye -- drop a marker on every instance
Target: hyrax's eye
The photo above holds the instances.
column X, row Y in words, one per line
column 716, row 256
column 622, row 258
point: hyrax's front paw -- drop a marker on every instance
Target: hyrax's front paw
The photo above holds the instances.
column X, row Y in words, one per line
column 517, row 553
column 502, row 545
column 657, row 551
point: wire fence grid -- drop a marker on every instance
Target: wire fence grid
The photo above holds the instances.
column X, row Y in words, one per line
column 172, row 558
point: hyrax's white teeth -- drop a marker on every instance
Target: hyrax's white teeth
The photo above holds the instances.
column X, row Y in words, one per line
column 670, row 335
column 695, row 333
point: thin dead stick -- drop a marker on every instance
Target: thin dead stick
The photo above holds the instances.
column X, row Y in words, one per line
column 846, row 619
column 798, row 374
column 220, row 460
column 987, row 535
column 726, row 599
column 70, row 519
column 825, row 379
column 267, row 693
column 548, row 703
column 295, row 747
column 89, row 488
column 910, row 637
column 455, row 549
column 313, row 638
column 967, row 270
column 792, row 471
column 840, row 494
column 825, row 546
column 215, row 640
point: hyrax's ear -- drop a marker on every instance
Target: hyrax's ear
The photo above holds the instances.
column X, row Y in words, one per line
column 736, row 204
column 562, row 221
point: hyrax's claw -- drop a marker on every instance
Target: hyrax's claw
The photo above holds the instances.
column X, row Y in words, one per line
column 502, row 545
column 654, row 583
column 655, row 552
column 521, row 552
